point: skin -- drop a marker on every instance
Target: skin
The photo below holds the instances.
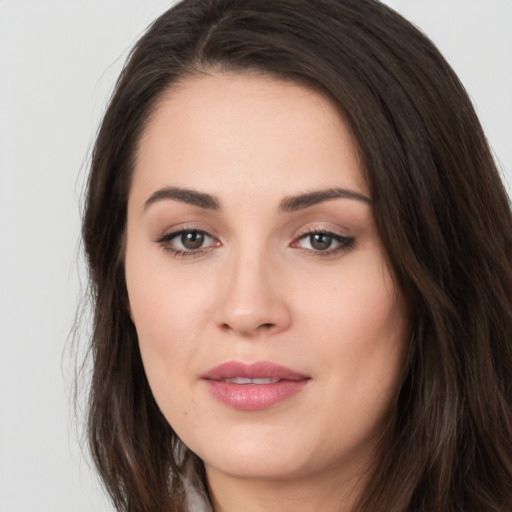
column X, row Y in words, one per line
column 258, row 288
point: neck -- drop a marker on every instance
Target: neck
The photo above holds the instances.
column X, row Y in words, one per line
column 327, row 492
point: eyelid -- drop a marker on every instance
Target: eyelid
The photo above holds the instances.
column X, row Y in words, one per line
column 321, row 228
column 342, row 242
column 166, row 238
column 345, row 242
column 187, row 226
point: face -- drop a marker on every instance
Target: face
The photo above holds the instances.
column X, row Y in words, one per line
column 271, row 329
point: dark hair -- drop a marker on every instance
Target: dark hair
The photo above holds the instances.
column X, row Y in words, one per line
column 442, row 214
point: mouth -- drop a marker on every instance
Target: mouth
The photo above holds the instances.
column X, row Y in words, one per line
column 246, row 380
column 255, row 386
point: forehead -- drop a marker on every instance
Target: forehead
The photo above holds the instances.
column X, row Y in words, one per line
column 238, row 130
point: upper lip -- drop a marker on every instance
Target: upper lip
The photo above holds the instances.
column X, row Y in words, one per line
column 257, row 370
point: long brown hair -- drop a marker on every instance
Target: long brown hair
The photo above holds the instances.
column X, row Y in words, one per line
column 442, row 213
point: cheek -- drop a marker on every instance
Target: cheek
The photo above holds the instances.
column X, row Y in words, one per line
column 170, row 310
column 165, row 304
column 164, row 326
column 161, row 317
column 359, row 305
column 360, row 327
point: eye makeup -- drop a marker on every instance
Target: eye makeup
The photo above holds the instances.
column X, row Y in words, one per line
column 194, row 242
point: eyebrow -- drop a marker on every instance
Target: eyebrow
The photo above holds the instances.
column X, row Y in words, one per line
column 288, row 204
column 185, row 195
column 301, row 201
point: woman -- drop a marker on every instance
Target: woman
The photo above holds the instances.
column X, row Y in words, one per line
column 300, row 250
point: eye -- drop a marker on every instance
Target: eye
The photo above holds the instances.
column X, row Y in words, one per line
column 323, row 242
column 187, row 242
column 192, row 240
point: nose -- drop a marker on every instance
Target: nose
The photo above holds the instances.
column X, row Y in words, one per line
column 252, row 300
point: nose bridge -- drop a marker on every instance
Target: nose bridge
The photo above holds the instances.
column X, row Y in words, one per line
column 251, row 300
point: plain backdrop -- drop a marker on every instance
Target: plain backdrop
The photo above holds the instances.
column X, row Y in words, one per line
column 58, row 63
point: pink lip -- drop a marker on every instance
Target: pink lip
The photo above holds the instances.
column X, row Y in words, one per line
column 252, row 397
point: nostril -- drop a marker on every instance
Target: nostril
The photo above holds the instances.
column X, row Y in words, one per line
column 247, row 329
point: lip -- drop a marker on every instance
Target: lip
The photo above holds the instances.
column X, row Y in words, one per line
column 253, row 396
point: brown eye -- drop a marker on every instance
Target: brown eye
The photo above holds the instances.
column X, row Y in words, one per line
column 320, row 241
column 323, row 243
column 187, row 242
column 192, row 240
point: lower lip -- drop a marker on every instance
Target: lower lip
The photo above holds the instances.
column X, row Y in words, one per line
column 254, row 397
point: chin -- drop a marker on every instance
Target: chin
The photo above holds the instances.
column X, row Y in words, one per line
column 255, row 467
column 254, row 457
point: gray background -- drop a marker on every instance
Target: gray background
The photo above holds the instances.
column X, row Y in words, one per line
column 58, row 62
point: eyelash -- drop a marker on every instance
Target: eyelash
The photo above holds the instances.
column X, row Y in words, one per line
column 166, row 242
column 344, row 243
